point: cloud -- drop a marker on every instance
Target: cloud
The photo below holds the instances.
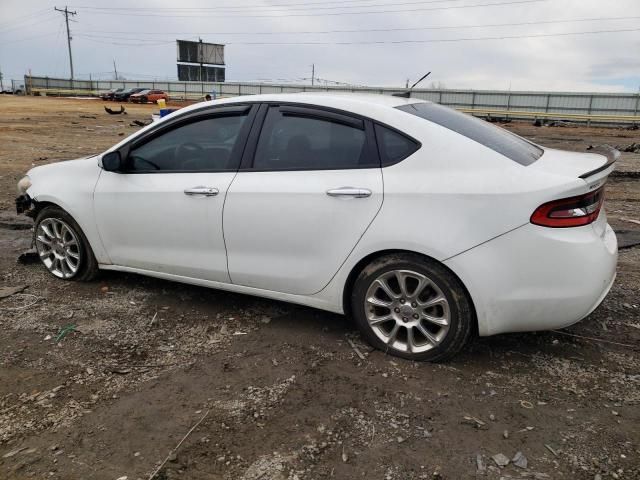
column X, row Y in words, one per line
column 597, row 62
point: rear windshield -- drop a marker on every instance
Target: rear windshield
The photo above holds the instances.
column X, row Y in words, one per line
column 497, row 139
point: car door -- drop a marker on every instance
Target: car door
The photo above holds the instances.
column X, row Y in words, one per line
column 163, row 212
column 309, row 187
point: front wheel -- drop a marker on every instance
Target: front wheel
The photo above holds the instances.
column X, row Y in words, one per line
column 412, row 307
column 62, row 247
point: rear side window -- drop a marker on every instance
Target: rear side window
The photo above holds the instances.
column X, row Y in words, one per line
column 393, row 146
column 497, row 139
column 299, row 139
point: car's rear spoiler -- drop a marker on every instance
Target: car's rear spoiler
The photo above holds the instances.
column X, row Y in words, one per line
column 607, row 151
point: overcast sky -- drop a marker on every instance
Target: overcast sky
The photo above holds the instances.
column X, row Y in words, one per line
column 141, row 35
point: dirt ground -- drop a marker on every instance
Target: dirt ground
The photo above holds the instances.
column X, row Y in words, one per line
column 102, row 380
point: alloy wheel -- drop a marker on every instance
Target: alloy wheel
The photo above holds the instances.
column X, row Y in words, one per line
column 407, row 311
column 58, row 247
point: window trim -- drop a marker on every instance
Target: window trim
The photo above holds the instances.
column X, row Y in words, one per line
column 310, row 111
column 193, row 117
column 384, row 164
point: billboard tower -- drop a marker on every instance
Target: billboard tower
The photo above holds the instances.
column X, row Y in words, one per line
column 200, row 62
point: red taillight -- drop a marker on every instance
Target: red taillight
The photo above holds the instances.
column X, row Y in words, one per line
column 570, row 212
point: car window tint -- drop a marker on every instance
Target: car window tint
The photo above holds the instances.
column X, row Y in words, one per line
column 394, row 146
column 497, row 139
column 292, row 142
column 204, row 145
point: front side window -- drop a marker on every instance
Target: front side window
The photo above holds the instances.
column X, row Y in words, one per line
column 497, row 139
column 294, row 141
column 202, row 145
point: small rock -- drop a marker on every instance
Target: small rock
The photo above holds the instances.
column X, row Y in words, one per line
column 265, row 319
column 400, row 439
column 173, row 457
column 124, row 477
column 519, row 460
column 597, row 477
column 501, row 459
column 480, row 464
column 14, row 452
column 89, row 371
column 492, row 417
column 505, row 434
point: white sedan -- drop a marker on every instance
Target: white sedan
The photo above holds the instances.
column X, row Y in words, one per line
column 423, row 224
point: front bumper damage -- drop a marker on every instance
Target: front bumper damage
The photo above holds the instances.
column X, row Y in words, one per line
column 25, row 205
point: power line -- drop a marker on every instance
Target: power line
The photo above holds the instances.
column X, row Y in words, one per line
column 25, row 17
column 27, row 23
column 272, row 8
column 374, row 30
column 376, row 12
column 395, row 42
column 28, row 38
column 66, row 19
column 305, row 5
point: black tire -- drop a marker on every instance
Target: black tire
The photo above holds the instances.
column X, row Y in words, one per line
column 88, row 266
column 460, row 309
column 144, row 99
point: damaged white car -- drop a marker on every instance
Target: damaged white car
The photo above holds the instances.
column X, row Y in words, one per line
column 425, row 225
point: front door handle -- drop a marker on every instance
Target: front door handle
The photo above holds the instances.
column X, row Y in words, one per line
column 349, row 192
column 205, row 191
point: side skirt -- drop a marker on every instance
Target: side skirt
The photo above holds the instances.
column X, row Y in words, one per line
column 310, row 301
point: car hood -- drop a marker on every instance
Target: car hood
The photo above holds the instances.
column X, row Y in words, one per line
column 60, row 165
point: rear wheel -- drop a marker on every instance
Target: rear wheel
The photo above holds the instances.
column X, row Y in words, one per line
column 62, row 247
column 143, row 99
column 412, row 307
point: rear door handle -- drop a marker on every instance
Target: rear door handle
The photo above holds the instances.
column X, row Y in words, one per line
column 205, row 191
column 349, row 192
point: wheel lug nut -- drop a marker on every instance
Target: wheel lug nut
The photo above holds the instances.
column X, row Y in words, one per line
column 414, row 304
column 402, row 300
column 415, row 315
column 397, row 310
column 404, row 319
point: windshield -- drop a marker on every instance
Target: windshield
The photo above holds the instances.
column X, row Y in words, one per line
column 497, row 139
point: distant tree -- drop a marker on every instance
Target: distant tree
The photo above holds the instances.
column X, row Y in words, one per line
column 437, row 86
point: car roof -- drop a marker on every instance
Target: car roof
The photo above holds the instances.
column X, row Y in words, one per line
column 342, row 100
column 377, row 106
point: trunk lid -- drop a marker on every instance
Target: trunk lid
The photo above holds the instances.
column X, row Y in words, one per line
column 593, row 167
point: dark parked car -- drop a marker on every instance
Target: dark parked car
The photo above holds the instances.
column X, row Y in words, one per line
column 110, row 94
column 124, row 95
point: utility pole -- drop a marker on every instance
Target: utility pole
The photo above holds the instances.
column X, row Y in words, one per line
column 200, row 57
column 115, row 70
column 67, row 12
column 313, row 74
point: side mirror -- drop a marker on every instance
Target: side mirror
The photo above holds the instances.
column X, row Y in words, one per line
column 112, row 161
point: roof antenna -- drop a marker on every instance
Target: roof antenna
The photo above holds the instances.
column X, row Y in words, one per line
column 407, row 93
